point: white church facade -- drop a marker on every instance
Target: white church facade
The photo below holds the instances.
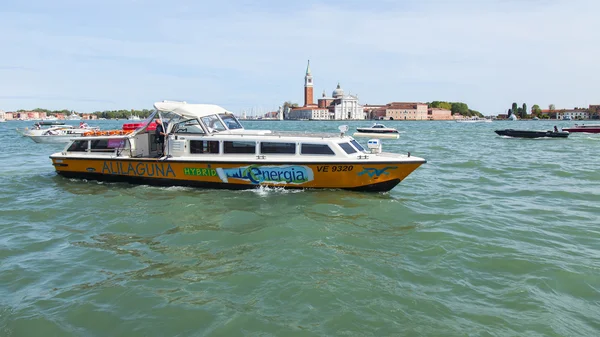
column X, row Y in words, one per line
column 337, row 107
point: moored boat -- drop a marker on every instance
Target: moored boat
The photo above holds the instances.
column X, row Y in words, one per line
column 532, row 133
column 206, row 146
column 589, row 128
column 377, row 130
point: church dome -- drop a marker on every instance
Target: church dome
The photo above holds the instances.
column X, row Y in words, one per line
column 338, row 92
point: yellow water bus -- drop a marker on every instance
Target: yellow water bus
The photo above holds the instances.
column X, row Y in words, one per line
column 206, row 146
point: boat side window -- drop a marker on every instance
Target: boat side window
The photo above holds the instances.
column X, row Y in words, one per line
column 191, row 126
column 204, row 146
column 348, row 148
column 213, row 123
column 106, row 145
column 78, row 146
column 279, row 148
column 230, row 121
column 357, row 145
column 239, row 147
column 316, row 149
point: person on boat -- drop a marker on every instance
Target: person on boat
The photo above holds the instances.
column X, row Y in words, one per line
column 160, row 133
column 82, row 125
column 37, row 126
column 555, row 129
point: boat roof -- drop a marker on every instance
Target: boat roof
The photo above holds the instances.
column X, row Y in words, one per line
column 187, row 110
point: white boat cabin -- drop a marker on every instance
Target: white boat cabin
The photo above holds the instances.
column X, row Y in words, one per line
column 209, row 132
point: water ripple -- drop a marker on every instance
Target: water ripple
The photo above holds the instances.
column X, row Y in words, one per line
column 492, row 237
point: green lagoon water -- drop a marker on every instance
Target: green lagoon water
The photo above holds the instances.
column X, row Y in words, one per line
column 492, row 237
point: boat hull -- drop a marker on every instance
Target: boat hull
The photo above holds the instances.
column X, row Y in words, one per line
column 58, row 139
column 586, row 130
column 373, row 130
column 387, row 135
column 532, row 134
column 360, row 176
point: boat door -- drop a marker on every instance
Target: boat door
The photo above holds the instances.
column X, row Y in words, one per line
column 176, row 145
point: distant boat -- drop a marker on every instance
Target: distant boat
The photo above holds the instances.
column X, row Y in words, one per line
column 50, row 122
column 377, row 130
column 532, row 133
column 57, row 133
column 134, row 118
column 535, row 119
column 513, row 117
column 74, row 117
column 589, row 128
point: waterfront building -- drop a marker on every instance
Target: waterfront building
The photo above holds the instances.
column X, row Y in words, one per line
column 9, row 116
column 339, row 106
column 594, row 108
column 439, row 114
column 374, row 111
column 344, row 106
column 576, row 113
column 406, row 111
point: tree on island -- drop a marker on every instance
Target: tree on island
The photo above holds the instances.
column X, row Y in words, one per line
column 289, row 104
column 440, row 105
column 515, row 107
column 535, row 110
column 523, row 113
column 551, row 107
column 519, row 113
column 455, row 108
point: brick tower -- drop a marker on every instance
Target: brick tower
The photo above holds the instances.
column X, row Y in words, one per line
column 308, row 87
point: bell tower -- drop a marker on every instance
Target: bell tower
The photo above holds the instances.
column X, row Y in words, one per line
column 308, row 87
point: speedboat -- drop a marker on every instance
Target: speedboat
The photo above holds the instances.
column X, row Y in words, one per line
column 377, row 130
column 532, row 133
column 56, row 132
column 206, row 146
column 589, row 128
column 74, row 117
column 40, row 127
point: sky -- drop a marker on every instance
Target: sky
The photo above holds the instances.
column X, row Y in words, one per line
column 251, row 55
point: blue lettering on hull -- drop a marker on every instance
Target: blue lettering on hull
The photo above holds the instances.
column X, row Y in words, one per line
column 255, row 174
column 160, row 170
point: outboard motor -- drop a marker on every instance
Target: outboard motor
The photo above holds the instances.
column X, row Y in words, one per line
column 374, row 145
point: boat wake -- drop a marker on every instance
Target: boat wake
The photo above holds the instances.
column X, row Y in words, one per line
column 267, row 190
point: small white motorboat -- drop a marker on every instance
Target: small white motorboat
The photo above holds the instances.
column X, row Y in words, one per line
column 57, row 133
column 377, row 131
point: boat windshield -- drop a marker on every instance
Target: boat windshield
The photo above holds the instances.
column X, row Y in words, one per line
column 379, row 126
column 231, row 122
column 213, row 123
